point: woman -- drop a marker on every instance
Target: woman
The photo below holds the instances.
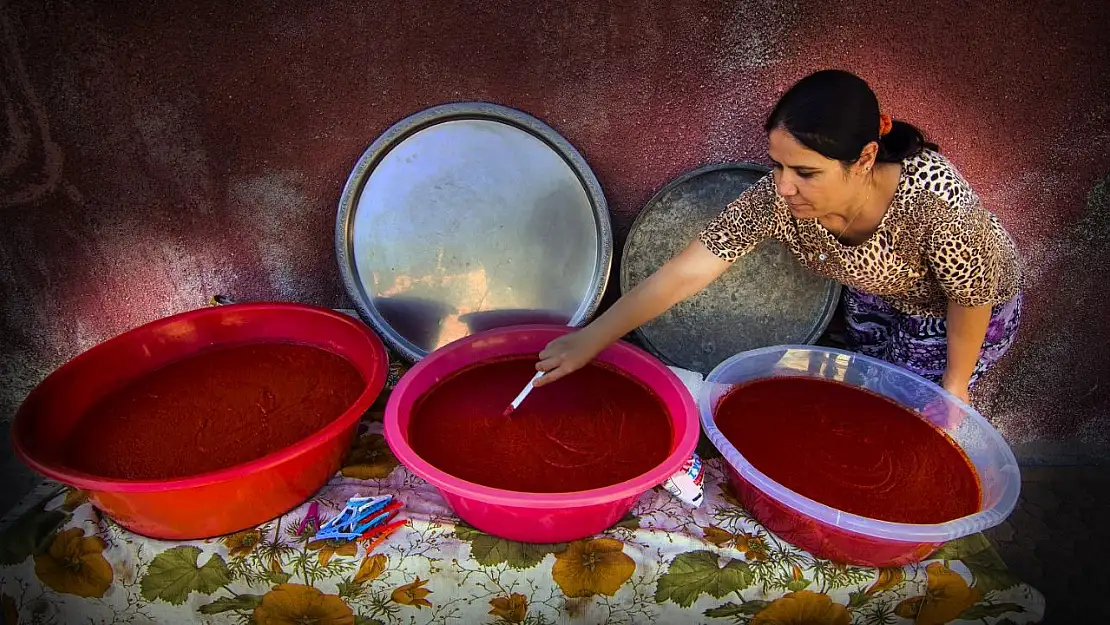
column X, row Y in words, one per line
column 933, row 281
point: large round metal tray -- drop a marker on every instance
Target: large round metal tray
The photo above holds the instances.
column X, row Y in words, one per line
column 469, row 216
column 766, row 298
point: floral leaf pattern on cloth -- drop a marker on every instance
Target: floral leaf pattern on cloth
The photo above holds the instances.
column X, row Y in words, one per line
column 413, row 593
column 371, row 568
column 75, row 564
column 511, row 609
column 803, row 608
column 240, row 603
column 174, row 574
column 242, row 543
column 987, row 569
column 75, row 497
column 663, row 563
column 737, row 611
column 592, row 567
column 691, row 574
column 490, row 550
column 326, row 549
column 888, row 578
column 293, row 604
column 30, row 532
column 947, row 597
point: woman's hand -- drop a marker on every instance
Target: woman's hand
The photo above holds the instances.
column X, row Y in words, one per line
column 568, row 354
column 945, row 413
column 958, row 388
column 682, row 276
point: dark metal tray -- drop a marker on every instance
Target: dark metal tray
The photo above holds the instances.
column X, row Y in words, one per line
column 766, row 298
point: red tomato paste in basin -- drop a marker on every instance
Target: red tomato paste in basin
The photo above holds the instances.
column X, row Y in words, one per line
column 214, row 410
column 849, row 449
column 595, row 428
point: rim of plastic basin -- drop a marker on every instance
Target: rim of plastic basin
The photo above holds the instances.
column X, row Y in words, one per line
column 88, row 481
column 683, row 448
column 907, row 532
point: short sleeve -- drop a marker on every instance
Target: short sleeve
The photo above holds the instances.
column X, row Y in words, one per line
column 745, row 223
column 966, row 255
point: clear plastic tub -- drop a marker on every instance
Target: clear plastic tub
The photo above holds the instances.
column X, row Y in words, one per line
column 830, row 533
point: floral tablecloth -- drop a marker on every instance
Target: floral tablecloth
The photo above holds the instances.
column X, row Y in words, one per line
column 62, row 562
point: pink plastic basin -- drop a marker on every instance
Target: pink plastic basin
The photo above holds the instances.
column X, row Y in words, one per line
column 219, row 502
column 538, row 517
column 841, row 536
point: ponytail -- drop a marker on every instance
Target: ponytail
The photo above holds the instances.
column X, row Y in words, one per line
column 903, row 141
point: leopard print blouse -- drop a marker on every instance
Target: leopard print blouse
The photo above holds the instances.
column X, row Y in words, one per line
column 935, row 244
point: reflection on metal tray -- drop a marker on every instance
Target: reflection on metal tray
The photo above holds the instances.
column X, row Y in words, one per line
column 469, row 216
column 765, row 299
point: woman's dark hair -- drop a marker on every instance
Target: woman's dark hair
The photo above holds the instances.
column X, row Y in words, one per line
column 835, row 113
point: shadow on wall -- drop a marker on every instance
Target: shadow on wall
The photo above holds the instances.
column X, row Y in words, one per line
column 1069, row 275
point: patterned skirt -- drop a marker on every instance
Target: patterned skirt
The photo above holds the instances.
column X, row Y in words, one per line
column 918, row 343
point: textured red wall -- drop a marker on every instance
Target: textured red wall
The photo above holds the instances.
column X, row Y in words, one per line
column 155, row 155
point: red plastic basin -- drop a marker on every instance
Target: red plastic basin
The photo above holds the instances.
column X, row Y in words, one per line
column 219, row 502
column 538, row 517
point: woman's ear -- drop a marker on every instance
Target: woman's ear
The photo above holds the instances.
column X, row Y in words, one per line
column 866, row 160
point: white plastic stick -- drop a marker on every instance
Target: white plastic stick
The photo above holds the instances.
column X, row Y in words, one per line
column 528, row 387
column 524, row 393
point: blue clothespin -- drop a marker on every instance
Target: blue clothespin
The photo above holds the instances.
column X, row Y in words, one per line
column 337, row 520
column 336, row 535
column 353, row 517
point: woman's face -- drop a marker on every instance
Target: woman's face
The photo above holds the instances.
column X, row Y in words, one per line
column 812, row 185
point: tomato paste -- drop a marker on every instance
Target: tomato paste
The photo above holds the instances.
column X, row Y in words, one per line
column 213, row 410
column 849, row 449
column 596, row 427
